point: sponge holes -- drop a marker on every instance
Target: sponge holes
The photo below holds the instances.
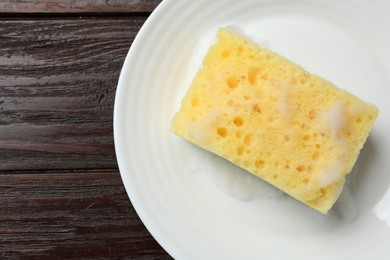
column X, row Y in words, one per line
column 253, row 74
column 195, row 102
column 302, row 169
column 312, row 114
column 241, row 150
column 306, row 180
column 358, row 120
column 248, row 139
column 222, row 131
column 315, row 156
column 259, row 164
column 225, row 54
column 238, row 121
column 232, row 82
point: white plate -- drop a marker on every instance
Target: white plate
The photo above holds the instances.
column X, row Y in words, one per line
column 198, row 206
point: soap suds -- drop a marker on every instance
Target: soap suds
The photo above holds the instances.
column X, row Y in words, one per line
column 382, row 208
column 346, row 208
column 333, row 119
column 234, row 181
column 196, row 132
column 284, row 106
column 331, row 174
column 211, row 117
column 243, row 186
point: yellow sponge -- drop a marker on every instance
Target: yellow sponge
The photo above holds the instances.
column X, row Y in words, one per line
column 269, row 116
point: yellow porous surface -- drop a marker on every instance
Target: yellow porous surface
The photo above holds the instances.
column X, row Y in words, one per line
column 269, row 116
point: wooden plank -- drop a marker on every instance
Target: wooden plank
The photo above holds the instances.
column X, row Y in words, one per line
column 78, row 6
column 70, row 214
column 57, row 87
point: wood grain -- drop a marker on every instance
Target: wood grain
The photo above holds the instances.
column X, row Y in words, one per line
column 61, row 196
column 57, row 88
column 70, row 214
column 77, row 6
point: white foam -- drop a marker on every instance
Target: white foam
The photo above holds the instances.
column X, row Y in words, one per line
column 346, row 208
column 196, row 132
column 382, row 208
column 333, row 119
column 284, row 106
column 331, row 174
column 234, row 181
column 211, row 116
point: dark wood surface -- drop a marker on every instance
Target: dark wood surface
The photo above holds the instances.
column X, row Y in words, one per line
column 61, row 195
column 77, row 6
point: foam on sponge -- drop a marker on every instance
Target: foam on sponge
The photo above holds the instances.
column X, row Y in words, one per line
column 269, row 116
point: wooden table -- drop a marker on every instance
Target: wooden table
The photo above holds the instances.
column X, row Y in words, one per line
column 61, row 195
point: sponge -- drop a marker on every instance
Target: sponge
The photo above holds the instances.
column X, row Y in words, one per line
column 269, row 116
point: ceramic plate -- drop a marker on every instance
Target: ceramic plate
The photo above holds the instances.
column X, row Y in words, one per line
column 198, row 206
